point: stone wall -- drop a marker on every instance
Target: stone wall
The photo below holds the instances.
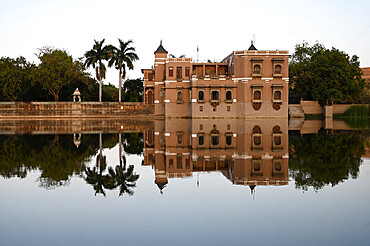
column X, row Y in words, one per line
column 75, row 110
column 68, row 126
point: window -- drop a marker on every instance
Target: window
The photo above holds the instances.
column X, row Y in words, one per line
column 257, row 95
column 276, row 137
column 257, row 69
column 179, row 97
column 201, row 95
column 278, row 69
column 201, row 140
column 201, row 127
column 256, row 167
column 201, row 108
column 214, row 109
column 229, row 140
column 215, row 140
column 277, row 166
column 187, row 72
column 150, row 137
column 228, row 108
column 170, row 163
column 150, row 77
column 257, row 137
column 150, row 97
column 257, row 140
column 228, row 127
column 277, row 95
column 179, row 72
column 229, row 96
column 170, row 72
column 179, row 138
column 215, row 95
column 277, row 140
column 179, row 162
column 187, row 163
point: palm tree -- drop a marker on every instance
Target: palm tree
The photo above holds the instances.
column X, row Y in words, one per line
column 95, row 58
column 123, row 56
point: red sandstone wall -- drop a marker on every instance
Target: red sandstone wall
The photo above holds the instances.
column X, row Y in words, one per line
column 69, row 109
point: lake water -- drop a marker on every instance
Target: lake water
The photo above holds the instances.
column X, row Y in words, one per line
column 183, row 182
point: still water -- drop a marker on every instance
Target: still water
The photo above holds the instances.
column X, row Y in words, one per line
column 183, row 182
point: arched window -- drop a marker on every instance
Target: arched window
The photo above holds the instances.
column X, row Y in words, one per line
column 256, row 167
column 215, row 95
column 229, row 96
column 277, row 166
column 257, row 136
column 150, row 97
column 201, row 95
column 276, row 135
column 278, row 69
column 257, row 95
column 277, row 95
column 257, row 69
column 215, row 140
column 229, row 140
column 276, row 129
column 201, row 140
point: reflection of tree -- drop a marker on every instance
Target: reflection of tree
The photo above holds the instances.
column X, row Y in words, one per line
column 56, row 157
column 125, row 180
column 96, row 178
column 325, row 158
column 134, row 143
column 11, row 159
column 117, row 177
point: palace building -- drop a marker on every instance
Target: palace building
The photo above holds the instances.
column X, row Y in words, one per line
column 247, row 83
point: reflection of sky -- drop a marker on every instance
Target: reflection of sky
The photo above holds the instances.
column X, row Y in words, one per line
column 216, row 213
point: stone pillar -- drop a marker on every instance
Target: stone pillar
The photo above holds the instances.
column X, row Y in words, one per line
column 328, row 111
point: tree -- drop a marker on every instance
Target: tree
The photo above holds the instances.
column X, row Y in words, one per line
column 15, row 76
column 95, row 58
column 123, row 56
column 317, row 73
column 133, row 90
column 58, row 69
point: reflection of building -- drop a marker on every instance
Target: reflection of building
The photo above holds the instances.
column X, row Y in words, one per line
column 246, row 83
column 248, row 152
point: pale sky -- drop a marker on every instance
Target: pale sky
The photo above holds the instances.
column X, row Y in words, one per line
column 217, row 27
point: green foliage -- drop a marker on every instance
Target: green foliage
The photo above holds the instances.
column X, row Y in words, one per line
column 357, row 116
column 58, row 69
column 110, row 93
column 133, row 90
column 317, row 160
column 15, row 76
column 317, row 73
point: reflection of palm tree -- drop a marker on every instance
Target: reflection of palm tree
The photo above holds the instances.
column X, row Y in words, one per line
column 126, row 180
column 96, row 179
